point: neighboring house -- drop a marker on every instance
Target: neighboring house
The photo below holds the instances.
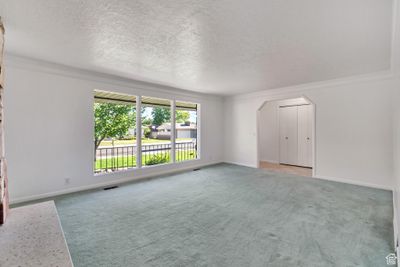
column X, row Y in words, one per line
column 132, row 132
column 183, row 130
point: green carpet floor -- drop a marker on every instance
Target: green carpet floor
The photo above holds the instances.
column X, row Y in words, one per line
column 227, row 215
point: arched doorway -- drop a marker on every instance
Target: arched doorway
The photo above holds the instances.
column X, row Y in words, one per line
column 286, row 136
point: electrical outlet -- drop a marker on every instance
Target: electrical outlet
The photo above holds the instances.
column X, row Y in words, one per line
column 66, row 181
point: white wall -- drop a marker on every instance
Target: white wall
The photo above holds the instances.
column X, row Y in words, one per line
column 269, row 132
column 396, row 157
column 268, row 128
column 353, row 129
column 49, row 128
column 396, row 134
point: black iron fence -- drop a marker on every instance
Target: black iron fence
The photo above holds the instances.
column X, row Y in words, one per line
column 185, row 151
column 156, row 154
column 109, row 159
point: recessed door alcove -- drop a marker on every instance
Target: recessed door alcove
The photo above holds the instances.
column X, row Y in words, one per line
column 286, row 136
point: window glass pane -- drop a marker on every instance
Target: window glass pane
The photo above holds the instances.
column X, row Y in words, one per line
column 186, row 131
column 156, row 131
column 114, row 132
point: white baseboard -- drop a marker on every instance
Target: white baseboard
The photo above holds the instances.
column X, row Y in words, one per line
column 163, row 172
column 333, row 179
column 353, row 182
column 106, row 184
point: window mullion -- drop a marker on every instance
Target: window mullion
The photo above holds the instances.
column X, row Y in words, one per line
column 139, row 131
column 173, row 131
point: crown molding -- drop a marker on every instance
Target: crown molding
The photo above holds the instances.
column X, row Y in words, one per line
column 37, row 65
column 299, row 89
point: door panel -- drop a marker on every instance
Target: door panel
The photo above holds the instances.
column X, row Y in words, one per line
column 305, row 135
column 288, row 135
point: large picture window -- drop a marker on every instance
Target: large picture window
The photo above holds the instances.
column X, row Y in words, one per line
column 156, row 131
column 185, row 131
column 114, row 132
column 139, row 131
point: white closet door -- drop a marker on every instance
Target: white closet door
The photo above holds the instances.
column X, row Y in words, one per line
column 305, row 135
column 288, row 135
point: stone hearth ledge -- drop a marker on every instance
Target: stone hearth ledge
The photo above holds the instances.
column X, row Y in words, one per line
column 32, row 236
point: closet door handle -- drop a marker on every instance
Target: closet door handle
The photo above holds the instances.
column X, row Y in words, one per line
column 308, row 138
column 286, row 138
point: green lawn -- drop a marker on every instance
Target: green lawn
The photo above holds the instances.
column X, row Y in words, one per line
column 133, row 141
column 154, row 159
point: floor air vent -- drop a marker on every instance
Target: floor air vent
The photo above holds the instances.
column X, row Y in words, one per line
column 111, row 187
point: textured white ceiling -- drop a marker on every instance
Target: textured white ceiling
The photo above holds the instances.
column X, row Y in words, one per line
column 221, row 47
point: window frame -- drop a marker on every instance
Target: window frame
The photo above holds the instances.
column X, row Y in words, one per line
column 138, row 129
column 198, row 129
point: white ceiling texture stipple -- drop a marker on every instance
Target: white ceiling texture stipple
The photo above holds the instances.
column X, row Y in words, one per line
column 220, row 47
